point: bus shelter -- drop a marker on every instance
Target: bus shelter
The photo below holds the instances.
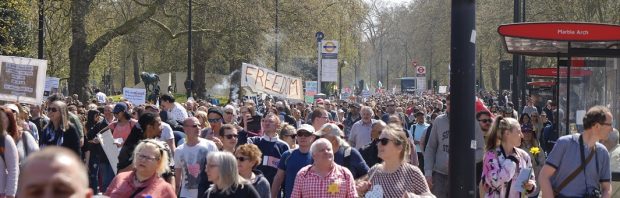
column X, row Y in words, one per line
column 587, row 68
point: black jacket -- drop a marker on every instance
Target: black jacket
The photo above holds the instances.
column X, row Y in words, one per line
column 370, row 153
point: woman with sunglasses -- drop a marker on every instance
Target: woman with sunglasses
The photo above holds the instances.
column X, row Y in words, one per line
column 229, row 137
column 222, row 170
column 59, row 132
column 9, row 168
column 248, row 157
column 504, row 161
column 394, row 177
column 150, row 162
column 288, row 134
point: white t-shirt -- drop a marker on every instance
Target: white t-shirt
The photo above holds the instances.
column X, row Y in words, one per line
column 101, row 97
column 192, row 159
column 178, row 113
column 166, row 132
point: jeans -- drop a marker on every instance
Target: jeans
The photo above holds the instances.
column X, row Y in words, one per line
column 99, row 173
column 440, row 185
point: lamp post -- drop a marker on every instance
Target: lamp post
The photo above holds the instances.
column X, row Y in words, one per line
column 277, row 31
column 188, row 81
column 41, row 30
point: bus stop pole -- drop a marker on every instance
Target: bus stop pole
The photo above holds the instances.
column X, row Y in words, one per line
column 516, row 63
column 462, row 180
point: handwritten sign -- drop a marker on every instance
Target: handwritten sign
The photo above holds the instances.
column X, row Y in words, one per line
column 266, row 81
column 22, row 79
column 51, row 86
column 311, row 90
column 136, row 96
column 443, row 89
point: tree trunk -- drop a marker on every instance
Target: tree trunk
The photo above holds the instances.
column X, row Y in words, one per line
column 136, row 66
column 82, row 54
column 200, row 58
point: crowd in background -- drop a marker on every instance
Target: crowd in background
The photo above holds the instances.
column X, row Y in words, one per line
column 388, row 145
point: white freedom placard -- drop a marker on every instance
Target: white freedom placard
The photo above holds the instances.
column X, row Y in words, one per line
column 263, row 80
column 109, row 148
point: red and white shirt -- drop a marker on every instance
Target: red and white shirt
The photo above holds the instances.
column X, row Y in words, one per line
column 339, row 183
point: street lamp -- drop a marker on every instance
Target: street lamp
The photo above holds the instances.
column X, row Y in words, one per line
column 188, row 81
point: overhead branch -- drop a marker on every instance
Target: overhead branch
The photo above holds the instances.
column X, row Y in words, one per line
column 125, row 28
column 171, row 35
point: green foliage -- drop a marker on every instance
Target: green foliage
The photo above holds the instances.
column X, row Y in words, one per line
column 14, row 39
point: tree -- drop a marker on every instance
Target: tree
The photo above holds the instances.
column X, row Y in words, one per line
column 81, row 53
column 14, row 38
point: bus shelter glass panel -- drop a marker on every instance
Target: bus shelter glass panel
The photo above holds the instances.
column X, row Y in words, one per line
column 595, row 83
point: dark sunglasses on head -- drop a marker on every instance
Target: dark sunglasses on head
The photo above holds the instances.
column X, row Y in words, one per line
column 243, row 159
column 231, row 136
column 51, row 109
column 486, row 120
column 214, row 120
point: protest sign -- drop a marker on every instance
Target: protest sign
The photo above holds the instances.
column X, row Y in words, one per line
column 136, row 96
column 51, row 86
column 443, row 89
column 22, row 79
column 109, row 148
column 263, row 80
column 311, row 90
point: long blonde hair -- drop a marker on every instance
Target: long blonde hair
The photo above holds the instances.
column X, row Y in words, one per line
column 498, row 130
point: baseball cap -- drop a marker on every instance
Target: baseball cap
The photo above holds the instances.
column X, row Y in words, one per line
column 307, row 128
column 120, row 107
column 13, row 107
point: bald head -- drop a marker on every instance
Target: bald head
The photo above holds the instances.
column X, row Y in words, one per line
column 51, row 169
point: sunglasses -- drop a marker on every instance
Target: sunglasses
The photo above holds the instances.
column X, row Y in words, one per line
column 231, row 136
column 486, row 120
column 51, row 109
column 195, row 125
column 304, row 134
column 243, row 159
column 214, row 120
column 384, row 141
column 292, row 136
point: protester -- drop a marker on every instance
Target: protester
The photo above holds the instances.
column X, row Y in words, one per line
column 230, row 116
column 122, row 127
column 53, row 172
column 562, row 161
column 99, row 169
column 229, row 136
column 360, row 131
column 323, row 178
column 531, row 146
column 415, row 133
column 394, row 176
column 73, row 118
column 613, row 146
column 24, row 141
column 288, row 135
column 351, row 118
column 38, row 118
column 344, row 154
column 436, row 154
column 177, row 112
column 318, row 118
column 504, row 161
column 59, row 132
column 190, row 159
column 9, row 160
column 108, row 113
column 248, row 157
column 270, row 145
column 250, row 120
column 370, row 151
column 151, row 161
column 167, row 134
column 222, row 170
column 485, row 121
column 292, row 161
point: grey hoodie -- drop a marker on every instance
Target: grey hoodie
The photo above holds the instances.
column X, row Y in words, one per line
column 437, row 153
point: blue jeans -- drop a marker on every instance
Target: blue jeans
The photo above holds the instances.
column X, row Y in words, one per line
column 97, row 169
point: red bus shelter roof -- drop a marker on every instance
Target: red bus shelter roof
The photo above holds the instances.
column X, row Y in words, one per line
column 561, row 39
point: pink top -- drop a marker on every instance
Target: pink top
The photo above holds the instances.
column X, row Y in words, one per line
column 123, row 185
column 123, row 131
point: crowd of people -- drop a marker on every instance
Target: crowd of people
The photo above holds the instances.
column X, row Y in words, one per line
column 385, row 146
